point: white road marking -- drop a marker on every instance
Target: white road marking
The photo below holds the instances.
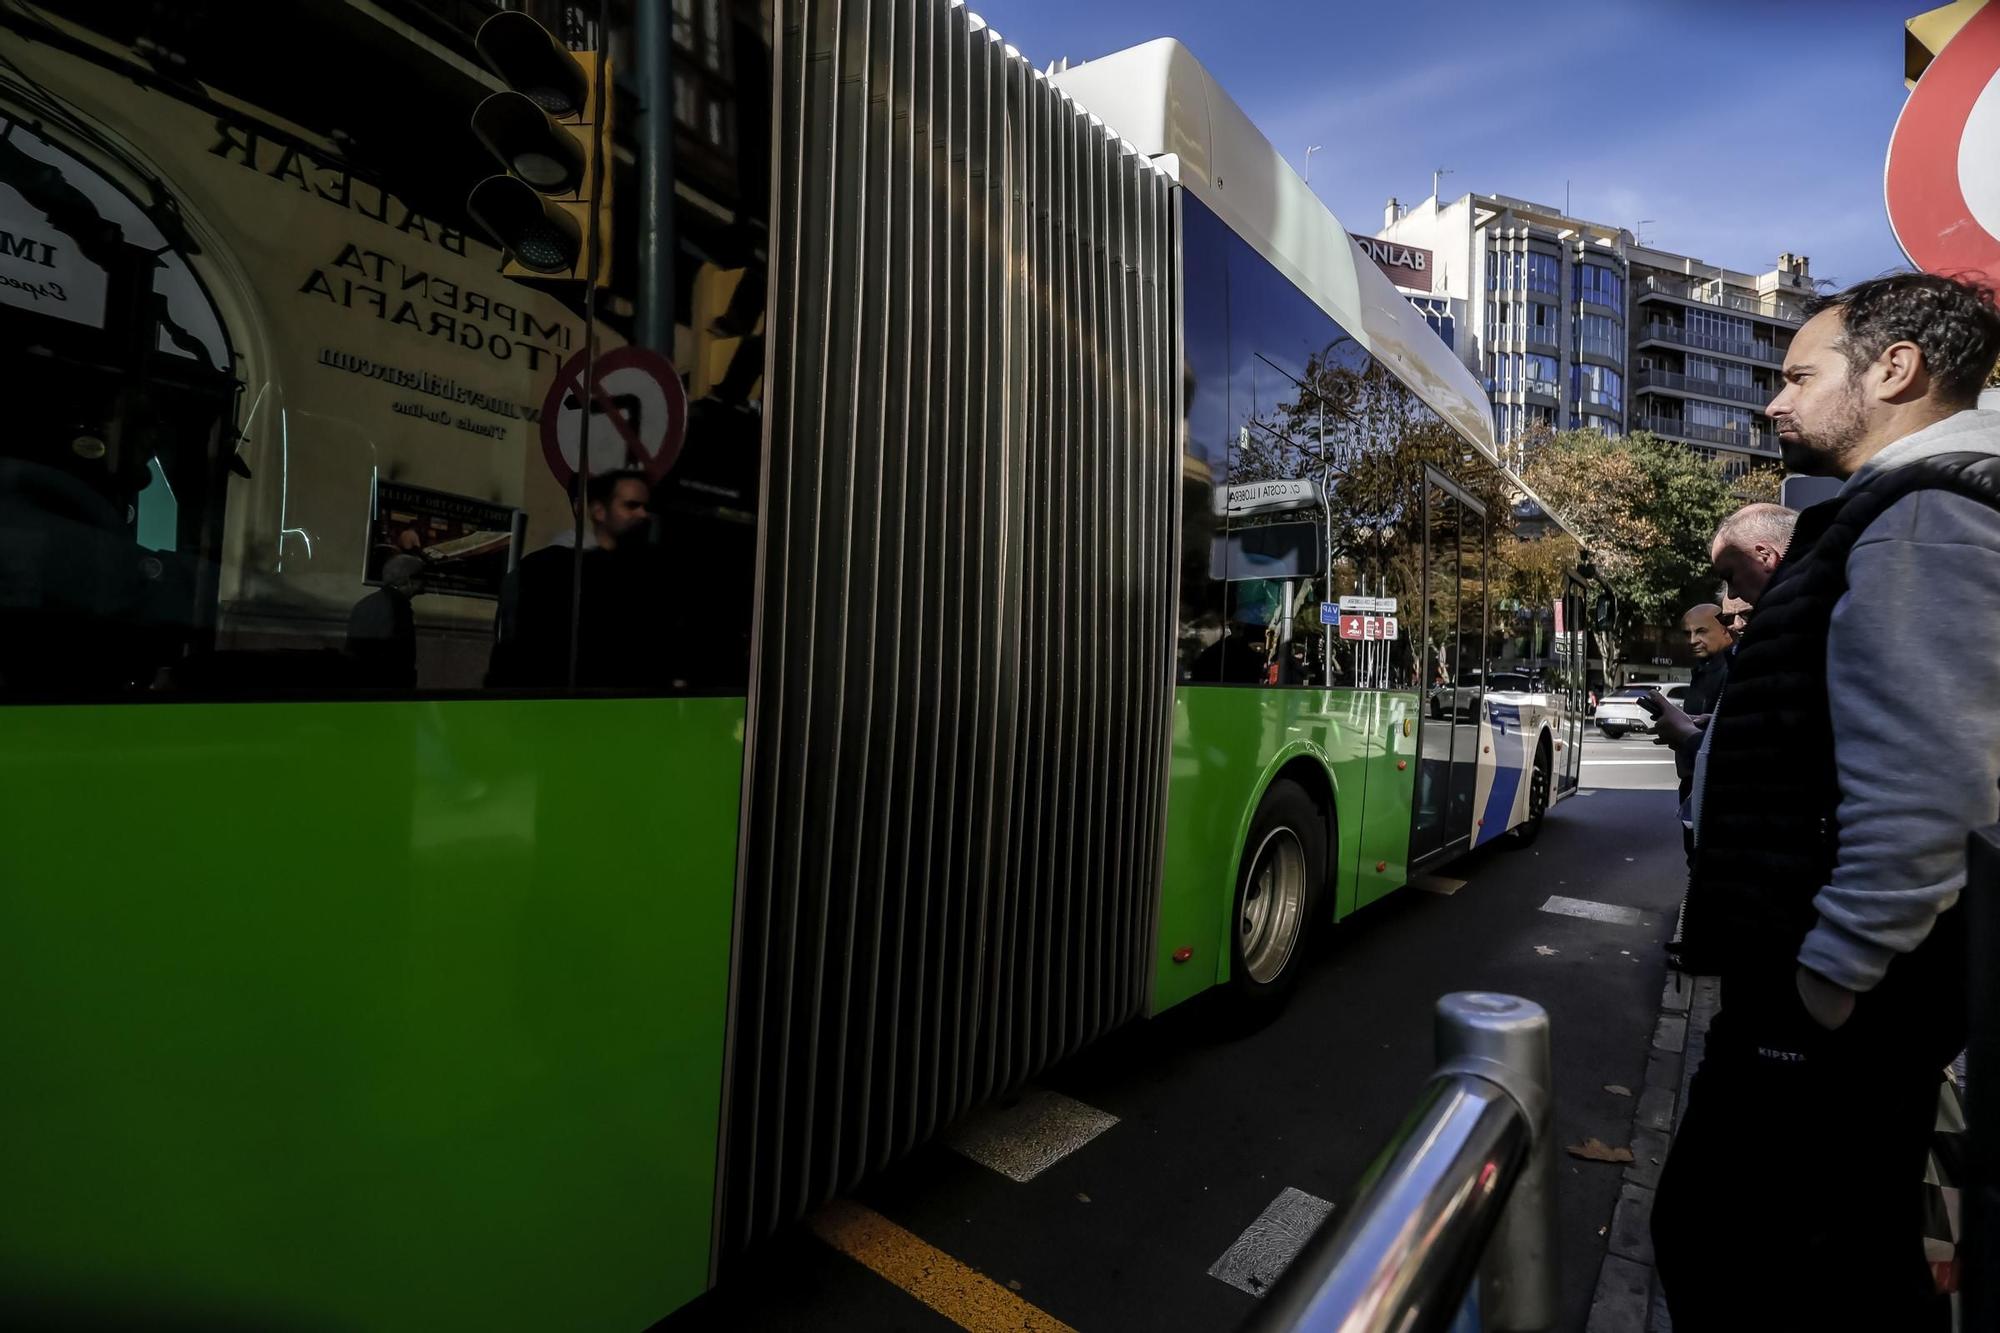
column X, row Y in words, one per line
column 1027, row 1138
column 1268, row 1246
column 1590, row 911
column 1438, row 884
column 1608, row 762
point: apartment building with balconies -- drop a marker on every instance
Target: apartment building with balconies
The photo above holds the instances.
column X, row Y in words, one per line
column 1573, row 323
column 1708, row 350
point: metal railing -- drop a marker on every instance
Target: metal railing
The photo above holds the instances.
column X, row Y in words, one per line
column 1705, row 294
column 1708, row 342
column 1753, row 394
column 1753, row 441
column 1458, row 1211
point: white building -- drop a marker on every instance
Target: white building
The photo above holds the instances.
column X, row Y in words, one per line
column 1569, row 322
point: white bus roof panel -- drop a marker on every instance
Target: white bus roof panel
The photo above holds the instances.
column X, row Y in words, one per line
column 1159, row 98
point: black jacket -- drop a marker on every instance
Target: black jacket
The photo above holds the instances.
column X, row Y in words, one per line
column 1770, row 803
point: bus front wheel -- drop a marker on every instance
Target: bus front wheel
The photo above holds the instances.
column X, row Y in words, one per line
column 1277, row 892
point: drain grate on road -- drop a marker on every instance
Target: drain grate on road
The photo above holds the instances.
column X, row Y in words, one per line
column 1263, row 1252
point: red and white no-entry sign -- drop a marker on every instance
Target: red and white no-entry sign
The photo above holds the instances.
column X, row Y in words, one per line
column 1942, row 183
column 634, row 415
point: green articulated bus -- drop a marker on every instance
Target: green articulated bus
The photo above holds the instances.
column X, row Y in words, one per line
column 546, row 734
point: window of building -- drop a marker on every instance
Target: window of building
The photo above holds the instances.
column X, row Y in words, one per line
column 1719, row 372
column 1437, row 314
column 1600, row 387
column 1601, row 284
column 1541, row 374
column 1543, row 273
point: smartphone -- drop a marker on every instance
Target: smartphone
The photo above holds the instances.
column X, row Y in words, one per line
column 1653, row 702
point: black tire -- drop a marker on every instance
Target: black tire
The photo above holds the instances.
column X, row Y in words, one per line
column 1539, row 788
column 1279, row 887
column 1611, row 733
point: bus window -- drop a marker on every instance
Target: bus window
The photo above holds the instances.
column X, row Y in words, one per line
column 297, row 430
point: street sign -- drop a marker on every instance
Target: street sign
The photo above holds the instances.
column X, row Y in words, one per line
column 1371, row 628
column 1329, row 613
column 1942, row 183
column 1350, row 626
column 1264, row 497
column 1389, row 627
column 637, row 416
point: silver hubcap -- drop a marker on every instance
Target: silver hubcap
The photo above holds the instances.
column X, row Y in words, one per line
column 1273, row 905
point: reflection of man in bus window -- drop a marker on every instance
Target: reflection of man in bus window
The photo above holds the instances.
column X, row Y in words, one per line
column 534, row 622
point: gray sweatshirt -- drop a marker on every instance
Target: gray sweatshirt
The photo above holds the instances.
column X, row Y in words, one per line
column 1913, row 672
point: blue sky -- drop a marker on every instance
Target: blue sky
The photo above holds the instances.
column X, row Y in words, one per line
column 1741, row 128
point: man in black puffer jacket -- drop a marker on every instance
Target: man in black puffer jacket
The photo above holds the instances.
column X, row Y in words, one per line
column 1857, row 745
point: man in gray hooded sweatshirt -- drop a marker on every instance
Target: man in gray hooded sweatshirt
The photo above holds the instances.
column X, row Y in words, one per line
column 1857, row 745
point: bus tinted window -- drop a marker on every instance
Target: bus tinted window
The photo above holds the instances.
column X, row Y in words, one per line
column 1312, row 435
column 295, row 426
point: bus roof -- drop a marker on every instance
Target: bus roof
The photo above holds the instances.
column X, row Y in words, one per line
column 1158, row 98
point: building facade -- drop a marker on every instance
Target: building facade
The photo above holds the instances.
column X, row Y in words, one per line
column 1708, row 348
column 1572, row 323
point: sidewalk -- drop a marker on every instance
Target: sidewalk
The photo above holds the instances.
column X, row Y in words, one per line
column 1628, row 1298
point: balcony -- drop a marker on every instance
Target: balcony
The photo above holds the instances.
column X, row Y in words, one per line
column 1751, row 395
column 1746, row 441
column 1677, row 336
column 1705, row 293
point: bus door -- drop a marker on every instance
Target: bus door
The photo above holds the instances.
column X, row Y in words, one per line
column 1572, row 649
column 1453, row 635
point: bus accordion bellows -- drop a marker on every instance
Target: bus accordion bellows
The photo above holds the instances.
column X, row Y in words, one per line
column 1083, row 573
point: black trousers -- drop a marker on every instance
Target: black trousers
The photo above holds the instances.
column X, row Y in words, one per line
column 1792, row 1196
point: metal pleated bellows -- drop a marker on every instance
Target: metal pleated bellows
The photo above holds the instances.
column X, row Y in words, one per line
column 960, row 706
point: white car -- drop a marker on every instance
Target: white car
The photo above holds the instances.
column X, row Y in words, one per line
column 1619, row 712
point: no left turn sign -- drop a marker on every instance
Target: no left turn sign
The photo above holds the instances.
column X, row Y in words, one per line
column 635, row 416
column 1942, row 183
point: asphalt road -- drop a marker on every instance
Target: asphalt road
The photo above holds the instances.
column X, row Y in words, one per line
column 1214, row 1122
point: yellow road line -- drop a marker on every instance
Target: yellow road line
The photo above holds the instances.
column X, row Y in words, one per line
column 963, row 1295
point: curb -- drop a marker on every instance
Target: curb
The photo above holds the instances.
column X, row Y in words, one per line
column 1628, row 1298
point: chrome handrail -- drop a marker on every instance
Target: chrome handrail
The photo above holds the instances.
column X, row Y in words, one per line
column 1458, row 1209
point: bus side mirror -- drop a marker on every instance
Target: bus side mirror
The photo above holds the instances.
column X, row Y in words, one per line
column 1602, row 611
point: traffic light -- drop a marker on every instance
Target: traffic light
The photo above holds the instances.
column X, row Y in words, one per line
column 553, row 140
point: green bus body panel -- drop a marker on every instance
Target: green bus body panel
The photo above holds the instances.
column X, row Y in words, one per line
column 1228, row 743
column 365, row 1015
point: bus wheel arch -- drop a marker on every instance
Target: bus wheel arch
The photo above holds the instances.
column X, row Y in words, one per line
column 1541, row 779
column 1281, row 881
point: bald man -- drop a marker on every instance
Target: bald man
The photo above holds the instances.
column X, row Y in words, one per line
column 1709, row 642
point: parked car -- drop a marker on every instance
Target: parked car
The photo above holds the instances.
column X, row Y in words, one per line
column 1619, row 711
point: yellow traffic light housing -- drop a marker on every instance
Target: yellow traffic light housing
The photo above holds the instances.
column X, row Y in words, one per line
column 552, row 137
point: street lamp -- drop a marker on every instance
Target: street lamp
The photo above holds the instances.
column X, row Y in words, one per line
column 1309, row 163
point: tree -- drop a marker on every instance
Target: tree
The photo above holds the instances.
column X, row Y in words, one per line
column 1647, row 509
